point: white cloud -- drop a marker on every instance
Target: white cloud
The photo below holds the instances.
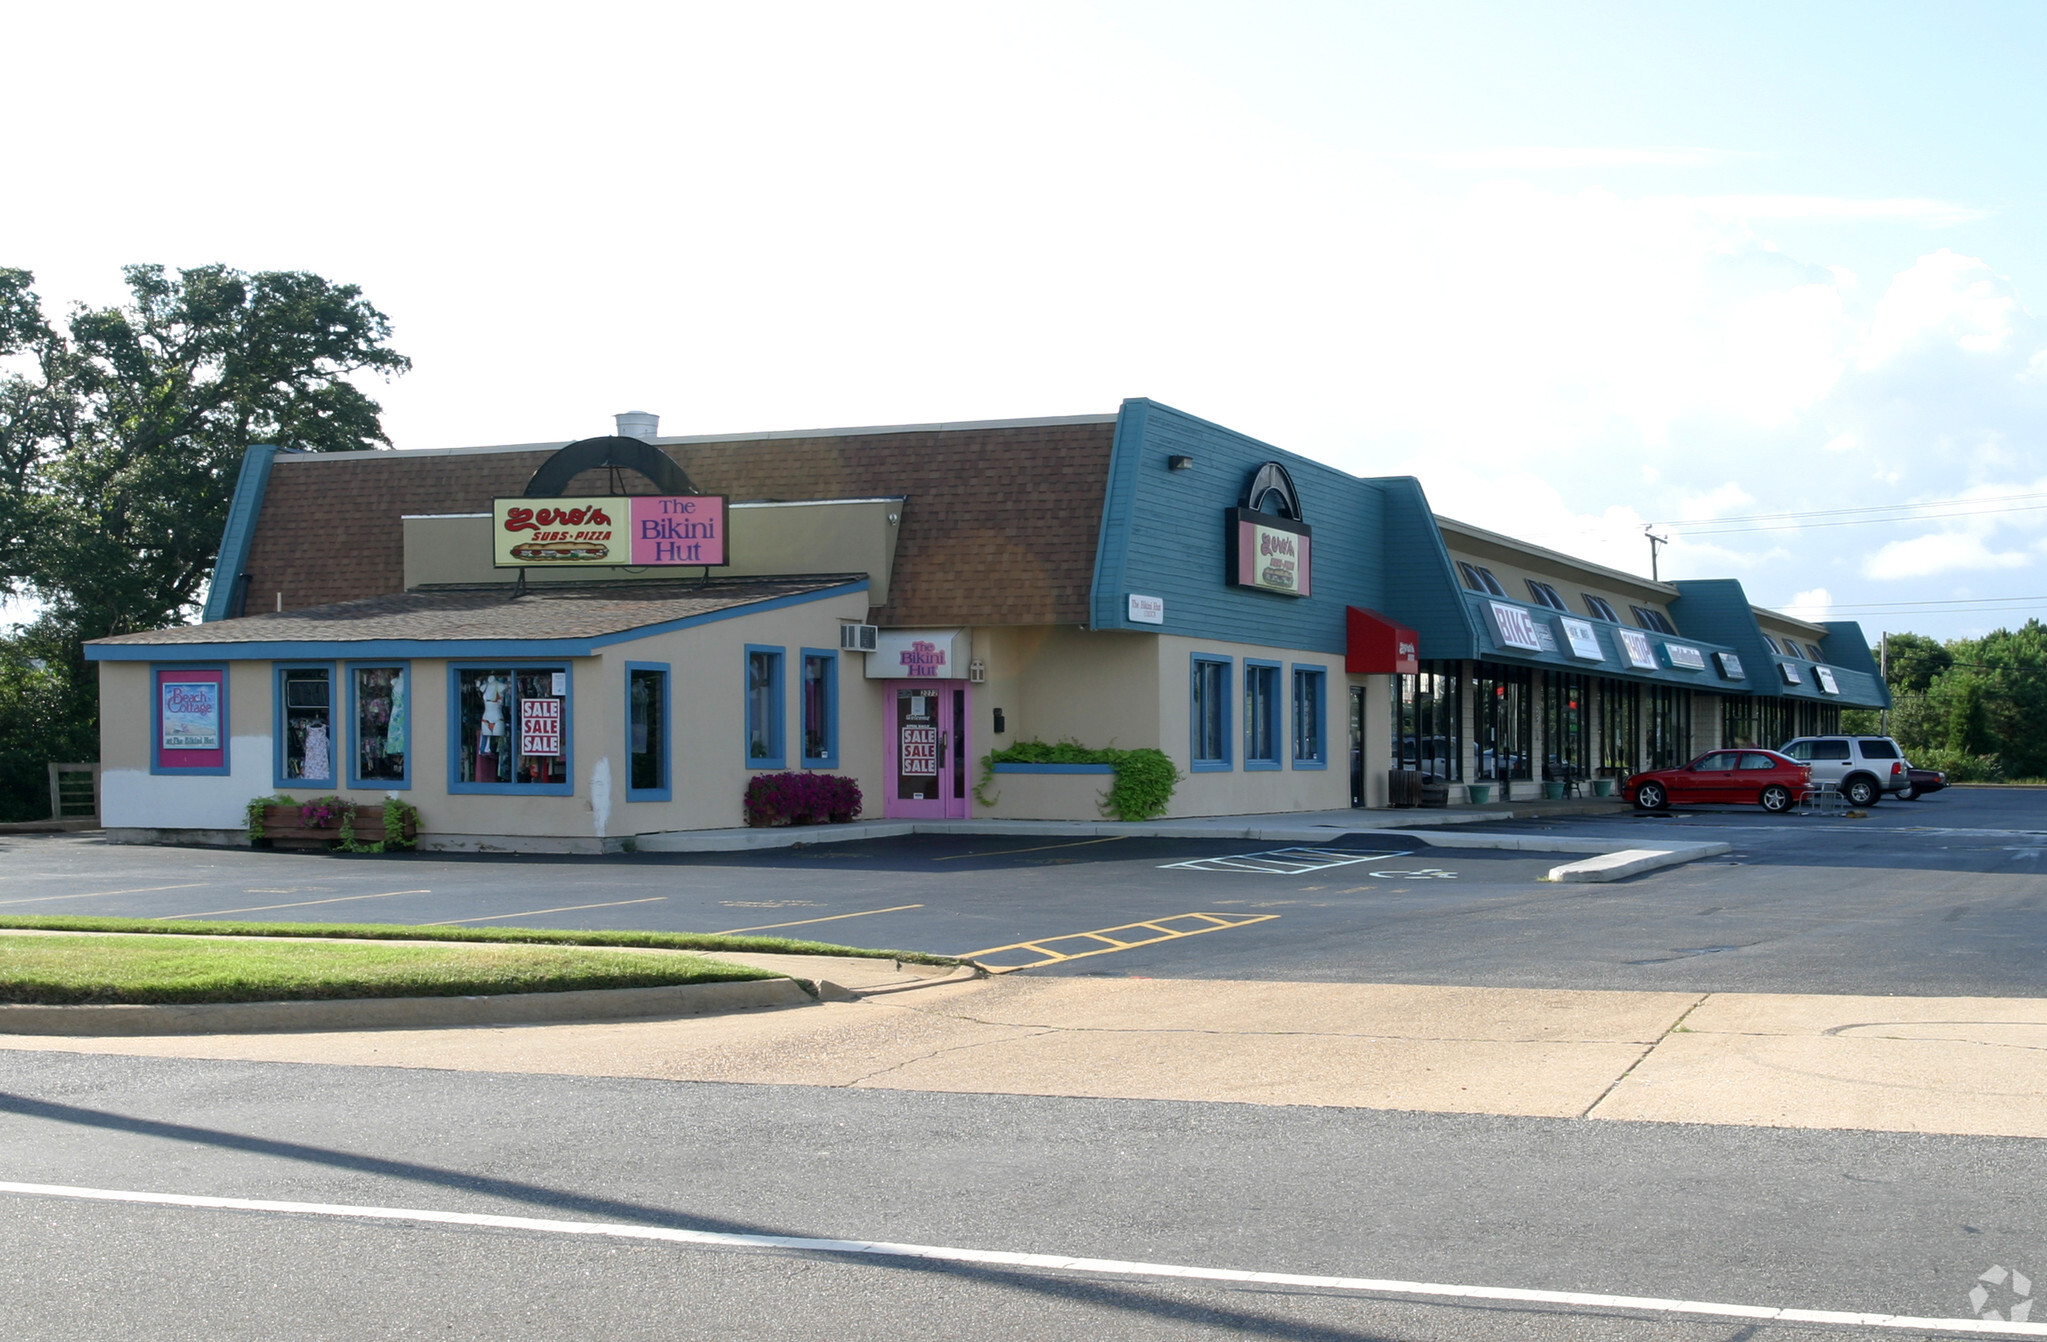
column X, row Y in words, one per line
column 1716, row 502
column 1811, row 605
column 1940, row 552
column 1532, row 158
column 1842, row 209
column 1943, row 297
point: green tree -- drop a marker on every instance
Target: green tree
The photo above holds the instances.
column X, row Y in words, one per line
column 1912, row 661
column 121, row 433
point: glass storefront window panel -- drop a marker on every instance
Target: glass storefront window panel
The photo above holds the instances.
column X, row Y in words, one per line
column 817, row 707
column 763, row 695
column 496, row 706
column 647, row 729
column 308, row 724
column 1261, row 714
column 1502, row 720
column 381, row 712
column 1210, row 712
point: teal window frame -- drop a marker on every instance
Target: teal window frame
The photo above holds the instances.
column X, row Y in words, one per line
column 281, row 725
column 773, row 734
column 1310, row 687
column 828, row 758
column 665, row 754
column 1270, row 715
column 1225, row 721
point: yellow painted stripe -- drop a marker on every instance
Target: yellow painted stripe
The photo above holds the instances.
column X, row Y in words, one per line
column 803, row 922
column 1217, row 922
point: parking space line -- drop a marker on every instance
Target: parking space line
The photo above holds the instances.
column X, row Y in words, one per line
column 1041, row 848
column 302, row 904
column 1160, row 928
column 535, row 913
column 95, row 894
column 1282, row 861
column 801, row 922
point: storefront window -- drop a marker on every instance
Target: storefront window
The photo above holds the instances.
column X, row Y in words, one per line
column 382, row 726
column 1428, row 722
column 647, row 733
column 1670, row 726
column 820, row 709
column 764, row 708
column 512, row 728
column 1311, row 733
column 1501, row 720
column 1566, row 734
column 1620, row 724
column 1210, row 709
column 305, row 697
column 1261, row 715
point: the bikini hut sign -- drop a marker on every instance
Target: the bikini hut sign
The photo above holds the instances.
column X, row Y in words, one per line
column 918, row 654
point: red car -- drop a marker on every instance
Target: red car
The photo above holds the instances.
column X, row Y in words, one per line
column 1744, row 777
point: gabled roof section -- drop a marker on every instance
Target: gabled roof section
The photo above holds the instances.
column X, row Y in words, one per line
column 1718, row 609
column 999, row 526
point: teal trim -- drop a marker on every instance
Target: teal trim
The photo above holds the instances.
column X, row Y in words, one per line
column 400, row 648
column 1054, row 768
column 568, row 755
column 1719, row 609
column 404, row 669
column 281, row 735
column 1311, row 684
column 770, row 733
column 240, row 531
column 1265, row 674
column 1108, row 601
column 829, row 706
column 665, row 790
column 1196, row 761
column 1421, row 589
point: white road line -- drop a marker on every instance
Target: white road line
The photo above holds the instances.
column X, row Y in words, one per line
column 1281, row 861
column 1045, row 1262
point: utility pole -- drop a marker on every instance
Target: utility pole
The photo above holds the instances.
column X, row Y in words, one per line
column 1654, row 541
column 1883, row 670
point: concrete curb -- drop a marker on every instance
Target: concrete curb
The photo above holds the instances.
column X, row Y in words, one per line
column 1627, row 862
column 965, row 973
column 745, row 840
column 406, row 1013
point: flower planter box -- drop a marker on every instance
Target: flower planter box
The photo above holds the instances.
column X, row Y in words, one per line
column 284, row 827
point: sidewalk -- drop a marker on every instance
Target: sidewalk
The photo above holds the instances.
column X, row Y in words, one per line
column 1934, row 1065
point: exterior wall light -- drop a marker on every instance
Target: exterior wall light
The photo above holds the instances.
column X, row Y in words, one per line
column 1180, row 463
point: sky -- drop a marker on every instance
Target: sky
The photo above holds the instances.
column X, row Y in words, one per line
column 1581, row 268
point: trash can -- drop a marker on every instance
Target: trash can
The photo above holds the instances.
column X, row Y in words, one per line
column 1403, row 787
column 1434, row 791
column 1479, row 793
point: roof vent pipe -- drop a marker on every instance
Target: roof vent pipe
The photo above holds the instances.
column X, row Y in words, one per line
column 637, row 424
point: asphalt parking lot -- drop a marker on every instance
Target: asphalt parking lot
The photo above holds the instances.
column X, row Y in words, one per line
column 1940, row 896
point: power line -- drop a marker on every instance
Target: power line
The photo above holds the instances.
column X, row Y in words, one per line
column 1712, row 526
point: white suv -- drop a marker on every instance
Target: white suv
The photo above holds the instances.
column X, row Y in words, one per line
column 1862, row 767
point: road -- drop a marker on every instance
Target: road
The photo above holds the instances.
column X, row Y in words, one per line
column 1941, row 897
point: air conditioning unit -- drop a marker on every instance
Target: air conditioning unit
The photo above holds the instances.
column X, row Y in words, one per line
column 858, row 638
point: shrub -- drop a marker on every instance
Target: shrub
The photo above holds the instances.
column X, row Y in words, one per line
column 1958, row 766
column 1144, row 784
column 801, row 799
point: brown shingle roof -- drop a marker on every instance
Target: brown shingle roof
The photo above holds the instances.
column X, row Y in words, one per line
column 999, row 526
column 560, row 610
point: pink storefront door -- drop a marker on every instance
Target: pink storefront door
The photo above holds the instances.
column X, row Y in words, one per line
column 927, row 750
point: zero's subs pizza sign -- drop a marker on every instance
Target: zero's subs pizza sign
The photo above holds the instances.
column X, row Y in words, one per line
column 623, row 531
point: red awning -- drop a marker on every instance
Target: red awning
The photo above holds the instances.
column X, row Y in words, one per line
column 1378, row 646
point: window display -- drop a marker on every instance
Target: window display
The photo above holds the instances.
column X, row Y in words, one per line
column 510, row 726
column 308, row 697
column 380, row 725
column 647, row 729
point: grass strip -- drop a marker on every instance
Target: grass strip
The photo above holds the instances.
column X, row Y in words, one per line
column 143, row 970
column 534, row 936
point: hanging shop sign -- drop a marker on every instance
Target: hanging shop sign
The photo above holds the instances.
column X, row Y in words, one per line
column 540, row 727
column 1583, row 638
column 1685, row 658
column 1375, row 645
column 1730, row 665
column 1513, row 627
column 1639, row 652
column 610, row 531
column 1269, row 553
column 920, row 654
column 1825, row 676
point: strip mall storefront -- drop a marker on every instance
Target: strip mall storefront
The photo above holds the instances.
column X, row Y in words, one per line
column 573, row 646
